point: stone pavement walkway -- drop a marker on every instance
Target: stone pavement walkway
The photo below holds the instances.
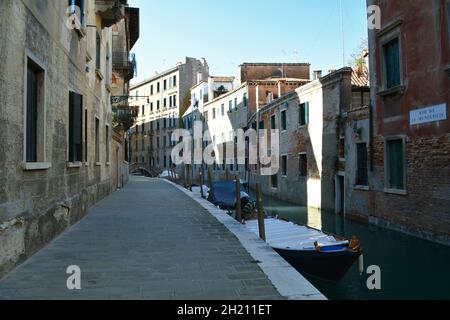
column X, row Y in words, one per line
column 147, row 241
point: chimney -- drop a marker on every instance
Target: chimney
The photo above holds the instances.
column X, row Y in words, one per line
column 317, row 74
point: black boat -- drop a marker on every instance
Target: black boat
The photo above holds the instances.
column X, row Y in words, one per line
column 310, row 251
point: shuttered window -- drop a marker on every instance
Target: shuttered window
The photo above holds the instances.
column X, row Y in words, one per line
column 97, row 140
column 304, row 114
column 283, row 120
column 107, row 134
column 361, row 170
column 32, row 114
column 303, row 165
column 448, row 18
column 395, row 164
column 284, row 160
column 85, row 136
column 272, row 122
column 274, row 180
column 98, row 51
column 75, row 127
column 392, row 63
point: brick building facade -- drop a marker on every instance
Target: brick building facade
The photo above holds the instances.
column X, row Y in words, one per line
column 409, row 184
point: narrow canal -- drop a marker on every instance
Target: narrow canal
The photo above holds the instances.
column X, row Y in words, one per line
column 411, row 268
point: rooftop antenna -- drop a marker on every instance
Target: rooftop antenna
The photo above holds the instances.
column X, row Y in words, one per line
column 341, row 5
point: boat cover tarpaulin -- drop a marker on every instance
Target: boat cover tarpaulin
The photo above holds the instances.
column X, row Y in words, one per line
column 225, row 194
column 282, row 234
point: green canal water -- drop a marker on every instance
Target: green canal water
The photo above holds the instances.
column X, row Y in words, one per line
column 411, row 268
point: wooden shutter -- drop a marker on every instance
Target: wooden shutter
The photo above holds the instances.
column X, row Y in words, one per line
column 78, row 127
column 71, row 125
column 396, row 165
column 75, row 127
column 392, row 61
column 306, row 113
column 362, row 164
column 31, row 116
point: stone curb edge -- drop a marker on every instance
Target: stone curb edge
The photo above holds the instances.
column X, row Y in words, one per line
column 288, row 281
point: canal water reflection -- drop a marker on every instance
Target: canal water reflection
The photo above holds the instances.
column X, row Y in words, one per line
column 411, row 268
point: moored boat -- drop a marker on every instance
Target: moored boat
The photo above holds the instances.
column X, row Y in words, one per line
column 310, row 251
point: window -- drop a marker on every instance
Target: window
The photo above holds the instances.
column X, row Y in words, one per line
column 174, row 101
column 230, row 106
column 303, row 165
column 35, row 113
column 97, row 140
column 395, row 164
column 151, row 107
column 151, row 90
column 158, row 87
column 75, row 127
column 143, row 110
column 361, row 165
column 143, row 128
column 223, row 109
column 86, row 136
column 304, row 114
column 107, row 142
column 174, row 81
column 214, row 113
column 283, row 120
column 273, row 122
column 157, row 105
column 274, row 180
column 342, row 148
column 205, row 116
column 448, row 18
column 391, row 51
column 284, row 160
column 165, row 85
column 244, row 100
column 98, row 52
column 164, row 123
column 170, row 102
column 235, row 104
column 165, row 103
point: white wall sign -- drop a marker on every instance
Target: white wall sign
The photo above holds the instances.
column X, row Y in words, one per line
column 430, row 114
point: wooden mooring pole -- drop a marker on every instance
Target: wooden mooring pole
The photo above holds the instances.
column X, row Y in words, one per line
column 238, row 199
column 210, row 184
column 259, row 203
column 201, row 183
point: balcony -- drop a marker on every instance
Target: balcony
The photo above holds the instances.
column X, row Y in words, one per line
column 123, row 119
column 125, row 64
column 111, row 11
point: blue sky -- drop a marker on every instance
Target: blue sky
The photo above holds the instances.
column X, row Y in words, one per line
column 229, row 32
